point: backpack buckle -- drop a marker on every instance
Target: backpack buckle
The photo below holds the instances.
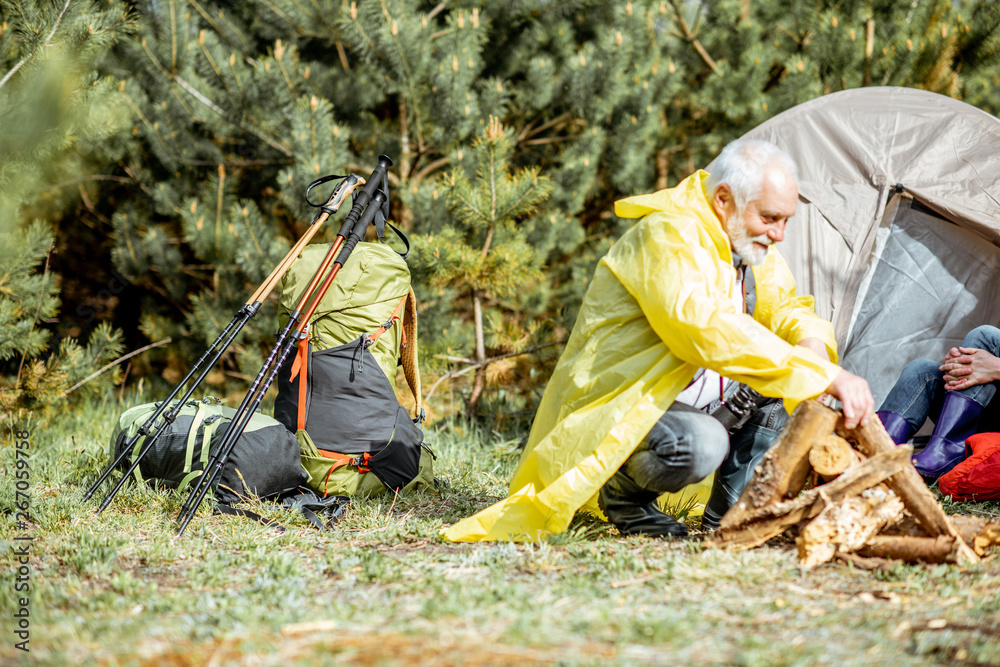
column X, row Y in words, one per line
column 361, row 461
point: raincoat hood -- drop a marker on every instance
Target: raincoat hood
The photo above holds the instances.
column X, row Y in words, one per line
column 660, row 307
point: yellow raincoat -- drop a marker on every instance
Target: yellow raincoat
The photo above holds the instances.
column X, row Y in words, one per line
column 659, row 308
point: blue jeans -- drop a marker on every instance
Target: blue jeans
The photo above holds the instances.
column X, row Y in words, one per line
column 919, row 392
column 746, row 450
column 686, row 445
column 682, row 448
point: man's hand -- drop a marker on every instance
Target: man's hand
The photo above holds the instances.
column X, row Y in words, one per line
column 855, row 396
column 966, row 367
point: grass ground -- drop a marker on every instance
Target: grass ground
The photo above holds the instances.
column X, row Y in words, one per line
column 384, row 589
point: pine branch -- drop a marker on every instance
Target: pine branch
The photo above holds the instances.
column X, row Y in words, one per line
column 437, row 10
column 692, row 39
column 210, row 104
column 215, row 26
column 482, row 364
column 114, row 363
column 529, row 132
column 219, row 110
column 25, row 59
column 92, row 177
column 430, row 168
column 41, row 300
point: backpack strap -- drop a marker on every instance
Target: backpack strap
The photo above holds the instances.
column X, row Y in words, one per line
column 304, row 500
column 374, row 336
column 409, row 354
column 300, row 369
column 199, row 417
column 341, row 460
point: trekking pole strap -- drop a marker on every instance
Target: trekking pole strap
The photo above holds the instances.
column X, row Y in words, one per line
column 403, row 238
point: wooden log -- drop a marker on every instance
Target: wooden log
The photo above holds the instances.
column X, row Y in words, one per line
column 846, row 526
column 783, row 471
column 978, row 532
column 940, row 549
column 831, row 456
column 871, row 439
column 881, row 564
column 767, row 522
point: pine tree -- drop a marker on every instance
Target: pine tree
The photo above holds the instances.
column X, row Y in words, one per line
column 238, row 106
column 484, row 255
column 56, row 113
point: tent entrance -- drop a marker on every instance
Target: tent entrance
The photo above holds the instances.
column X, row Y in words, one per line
column 930, row 282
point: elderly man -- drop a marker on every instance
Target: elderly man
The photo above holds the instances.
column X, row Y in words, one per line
column 670, row 317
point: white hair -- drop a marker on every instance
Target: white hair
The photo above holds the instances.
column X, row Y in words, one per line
column 741, row 165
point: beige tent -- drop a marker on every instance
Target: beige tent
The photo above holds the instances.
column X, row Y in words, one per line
column 898, row 225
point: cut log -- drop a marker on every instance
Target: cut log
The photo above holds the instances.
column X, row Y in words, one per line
column 783, row 471
column 871, row 439
column 978, row 532
column 831, row 456
column 766, row 522
column 846, row 526
column 881, row 564
column 940, row 549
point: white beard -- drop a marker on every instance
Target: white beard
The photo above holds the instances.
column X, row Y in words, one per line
column 744, row 246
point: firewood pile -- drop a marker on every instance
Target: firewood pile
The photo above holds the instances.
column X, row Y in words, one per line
column 865, row 502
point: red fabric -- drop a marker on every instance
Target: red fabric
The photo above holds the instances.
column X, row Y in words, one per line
column 977, row 477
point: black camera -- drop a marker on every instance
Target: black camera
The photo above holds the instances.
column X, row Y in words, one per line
column 735, row 409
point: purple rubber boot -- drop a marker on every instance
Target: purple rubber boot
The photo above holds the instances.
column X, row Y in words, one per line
column 946, row 448
column 896, row 426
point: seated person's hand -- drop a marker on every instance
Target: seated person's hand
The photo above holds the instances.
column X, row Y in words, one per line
column 966, row 367
column 855, row 396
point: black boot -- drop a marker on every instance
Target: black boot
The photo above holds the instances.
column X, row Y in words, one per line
column 896, row 426
column 633, row 510
column 946, row 449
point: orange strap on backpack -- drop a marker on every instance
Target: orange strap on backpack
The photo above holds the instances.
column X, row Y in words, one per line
column 341, row 460
column 385, row 327
column 300, row 368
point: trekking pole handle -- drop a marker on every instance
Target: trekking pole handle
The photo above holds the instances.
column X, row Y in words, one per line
column 366, row 194
column 358, row 231
column 339, row 194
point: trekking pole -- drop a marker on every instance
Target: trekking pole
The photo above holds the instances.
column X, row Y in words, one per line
column 354, row 229
column 345, row 187
column 270, row 370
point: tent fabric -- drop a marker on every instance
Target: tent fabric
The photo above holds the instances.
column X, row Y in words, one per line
column 898, row 226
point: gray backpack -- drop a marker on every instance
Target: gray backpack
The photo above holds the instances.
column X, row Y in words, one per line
column 264, row 463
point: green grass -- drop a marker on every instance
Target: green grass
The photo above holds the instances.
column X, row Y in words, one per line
column 384, row 589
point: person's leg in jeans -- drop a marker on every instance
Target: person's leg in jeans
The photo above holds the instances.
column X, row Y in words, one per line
column 917, row 395
column 683, row 447
column 747, row 447
column 919, row 392
column 959, row 414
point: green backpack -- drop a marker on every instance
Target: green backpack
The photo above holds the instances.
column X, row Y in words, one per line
column 264, row 464
column 338, row 394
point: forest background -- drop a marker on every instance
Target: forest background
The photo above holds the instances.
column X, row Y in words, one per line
column 154, row 157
